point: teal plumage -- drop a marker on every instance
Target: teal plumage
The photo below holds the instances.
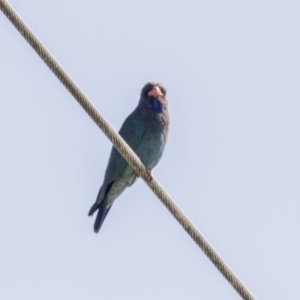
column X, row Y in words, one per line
column 145, row 130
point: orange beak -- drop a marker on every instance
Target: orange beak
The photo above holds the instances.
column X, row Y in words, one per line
column 155, row 92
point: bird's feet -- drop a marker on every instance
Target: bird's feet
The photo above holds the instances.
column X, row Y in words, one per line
column 149, row 174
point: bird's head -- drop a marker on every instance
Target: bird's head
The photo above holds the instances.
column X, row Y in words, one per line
column 153, row 97
column 153, row 90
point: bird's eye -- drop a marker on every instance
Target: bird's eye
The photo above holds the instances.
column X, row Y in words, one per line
column 163, row 90
column 147, row 89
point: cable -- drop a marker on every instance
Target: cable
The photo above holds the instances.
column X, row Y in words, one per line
column 124, row 149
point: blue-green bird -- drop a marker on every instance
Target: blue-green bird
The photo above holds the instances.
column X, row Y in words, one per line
column 145, row 130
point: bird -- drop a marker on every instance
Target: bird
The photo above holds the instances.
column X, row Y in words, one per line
column 145, row 130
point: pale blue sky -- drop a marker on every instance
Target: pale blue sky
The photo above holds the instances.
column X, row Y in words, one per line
column 232, row 71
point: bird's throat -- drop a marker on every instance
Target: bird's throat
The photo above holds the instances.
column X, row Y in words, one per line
column 155, row 105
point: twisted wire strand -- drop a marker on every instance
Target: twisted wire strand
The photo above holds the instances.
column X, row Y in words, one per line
column 124, row 149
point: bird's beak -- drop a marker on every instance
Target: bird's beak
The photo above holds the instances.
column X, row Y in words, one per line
column 155, row 92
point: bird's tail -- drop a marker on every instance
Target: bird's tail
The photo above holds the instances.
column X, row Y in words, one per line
column 102, row 213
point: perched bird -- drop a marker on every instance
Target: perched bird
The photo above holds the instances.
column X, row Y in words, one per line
column 145, row 130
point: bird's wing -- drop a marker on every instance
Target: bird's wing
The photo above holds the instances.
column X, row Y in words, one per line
column 132, row 132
